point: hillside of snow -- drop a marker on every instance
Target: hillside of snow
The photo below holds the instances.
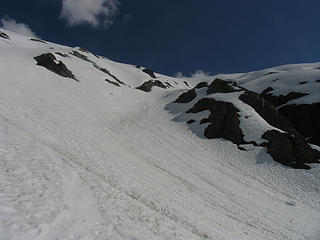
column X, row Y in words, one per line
column 85, row 155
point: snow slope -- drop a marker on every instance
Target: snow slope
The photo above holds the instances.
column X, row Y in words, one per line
column 89, row 160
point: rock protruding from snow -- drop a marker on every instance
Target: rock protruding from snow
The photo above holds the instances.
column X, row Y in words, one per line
column 4, row 35
column 187, row 96
column 147, row 86
column 201, row 85
column 37, row 40
column 290, row 150
column 149, row 72
column 305, row 118
column 224, row 120
column 221, row 86
column 245, row 117
column 267, row 111
column 281, row 99
column 49, row 61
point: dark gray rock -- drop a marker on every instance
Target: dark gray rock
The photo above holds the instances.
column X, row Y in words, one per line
column 221, row 86
column 61, row 54
column 81, row 56
column 191, row 121
column 187, row 96
column 201, row 85
column 305, row 118
column 290, row 150
column 269, row 113
column 224, row 120
column 37, row 40
column 108, row 73
column 186, row 83
column 48, row 61
column 168, row 85
column 147, row 86
column 270, row 73
column 282, row 99
column 4, row 35
column 149, row 72
column 113, row 83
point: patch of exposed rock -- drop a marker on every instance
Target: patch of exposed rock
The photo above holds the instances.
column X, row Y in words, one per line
column 221, row 86
column 305, row 118
column 37, row 40
column 112, row 82
column 269, row 113
column 50, row 62
column 290, row 150
column 4, row 35
column 281, row 99
column 147, row 86
column 224, row 120
column 149, row 72
column 187, row 96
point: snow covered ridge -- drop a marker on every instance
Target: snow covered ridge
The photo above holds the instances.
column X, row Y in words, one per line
column 244, row 117
column 91, row 149
column 292, row 89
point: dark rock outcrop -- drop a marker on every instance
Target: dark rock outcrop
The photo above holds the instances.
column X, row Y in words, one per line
column 305, row 118
column 221, row 86
column 270, row 73
column 186, row 83
column 81, row 56
column 281, row 99
column 224, row 120
column 168, row 85
column 4, row 35
column 61, row 54
column 201, row 85
column 149, row 72
column 191, row 121
column 147, row 86
column 269, row 113
column 107, row 72
column 290, row 150
column 49, row 61
column 37, row 40
column 187, row 96
column 113, row 83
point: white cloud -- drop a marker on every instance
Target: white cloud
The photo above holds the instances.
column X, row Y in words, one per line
column 21, row 28
column 93, row 12
column 197, row 74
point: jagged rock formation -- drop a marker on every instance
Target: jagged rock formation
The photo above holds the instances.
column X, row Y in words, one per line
column 290, row 150
column 50, row 62
column 287, row 148
column 147, row 86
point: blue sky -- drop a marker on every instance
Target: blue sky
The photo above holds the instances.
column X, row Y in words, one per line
column 173, row 36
